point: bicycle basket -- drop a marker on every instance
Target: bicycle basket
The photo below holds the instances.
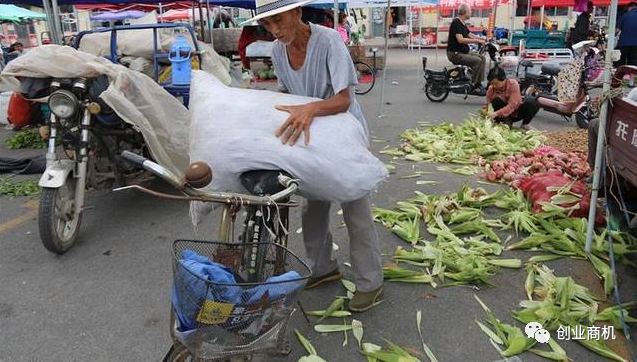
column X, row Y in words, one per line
column 218, row 313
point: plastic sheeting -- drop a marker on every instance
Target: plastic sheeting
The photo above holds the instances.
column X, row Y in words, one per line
column 161, row 118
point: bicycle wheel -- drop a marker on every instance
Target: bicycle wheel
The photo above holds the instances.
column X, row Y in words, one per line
column 366, row 78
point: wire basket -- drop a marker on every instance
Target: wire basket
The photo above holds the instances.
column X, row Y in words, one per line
column 218, row 312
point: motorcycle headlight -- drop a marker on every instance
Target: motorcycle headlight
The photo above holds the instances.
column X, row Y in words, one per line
column 63, row 104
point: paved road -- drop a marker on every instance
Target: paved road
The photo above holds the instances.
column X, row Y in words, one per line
column 108, row 298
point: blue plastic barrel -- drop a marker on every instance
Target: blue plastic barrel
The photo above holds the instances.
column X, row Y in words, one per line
column 179, row 57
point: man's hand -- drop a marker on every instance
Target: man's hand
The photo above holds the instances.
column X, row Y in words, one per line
column 298, row 122
column 492, row 115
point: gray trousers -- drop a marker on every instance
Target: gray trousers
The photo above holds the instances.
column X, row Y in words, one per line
column 475, row 61
column 364, row 247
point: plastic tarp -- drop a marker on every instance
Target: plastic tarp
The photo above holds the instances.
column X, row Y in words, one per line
column 118, row 15
column 161, row 118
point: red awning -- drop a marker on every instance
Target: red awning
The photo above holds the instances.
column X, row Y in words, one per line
column 566, row 3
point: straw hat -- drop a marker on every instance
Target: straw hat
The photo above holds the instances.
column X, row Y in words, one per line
column 267, row 8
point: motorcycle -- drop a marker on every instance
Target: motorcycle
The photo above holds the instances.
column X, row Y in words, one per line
column 92, row 137
column 456, row 79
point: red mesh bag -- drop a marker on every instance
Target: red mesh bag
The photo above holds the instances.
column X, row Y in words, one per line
column 19, row 111
column 535, row 190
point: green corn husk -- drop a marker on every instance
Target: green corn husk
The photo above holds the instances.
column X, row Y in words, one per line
column 557, row 353
column 612, row 315
column 506, row 263
column 532, row 241
column 510, row 336
column 425, row 347
column 604, row 272
column 521, row 221
column 394, row 353
column 464, row 215
column 543, row 258
column 332, row 328
column 408, row 230
column 334, row 314
column 336, row 305
column 387, row 217
column 529, row 283
column 305, row 343
column 598, row 347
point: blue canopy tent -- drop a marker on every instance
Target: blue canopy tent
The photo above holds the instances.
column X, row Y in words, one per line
column 15, row 14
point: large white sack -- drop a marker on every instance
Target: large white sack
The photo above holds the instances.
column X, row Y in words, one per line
column 233, row 129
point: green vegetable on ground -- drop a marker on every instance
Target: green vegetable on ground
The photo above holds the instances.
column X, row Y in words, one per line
column 18, row 188
column 26, row 139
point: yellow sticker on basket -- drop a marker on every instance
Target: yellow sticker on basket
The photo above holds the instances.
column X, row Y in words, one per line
column 214, row 312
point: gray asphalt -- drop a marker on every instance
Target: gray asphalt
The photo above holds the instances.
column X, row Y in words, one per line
column 108, row 298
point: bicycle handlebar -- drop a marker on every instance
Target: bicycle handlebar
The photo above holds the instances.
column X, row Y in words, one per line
column 291, row 186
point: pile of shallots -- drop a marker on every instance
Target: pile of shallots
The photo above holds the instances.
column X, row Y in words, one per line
column 512, row 169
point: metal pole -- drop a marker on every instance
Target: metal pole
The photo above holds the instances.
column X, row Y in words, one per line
column 495, row 16
column 528, row 15
column 209, row 22
column 51, row 21
column 437, row 33
column 419, row 62
column 336, row 15
column 541, row 17
column 202, row 30
column 601, row 133
column 382, row 85
column 56, row 16
column 161, row 13
column 512, row 20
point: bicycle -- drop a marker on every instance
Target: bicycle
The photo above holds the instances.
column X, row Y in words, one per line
column 205, row 326
column 366, row 77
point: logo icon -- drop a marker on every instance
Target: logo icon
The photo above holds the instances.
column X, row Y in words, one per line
column 534, row 330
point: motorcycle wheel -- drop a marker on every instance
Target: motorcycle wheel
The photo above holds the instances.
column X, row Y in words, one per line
column 59, row 228
column 436, row 93
column 583, row 117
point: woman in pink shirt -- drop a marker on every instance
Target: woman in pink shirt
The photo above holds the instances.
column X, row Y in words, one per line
column 342, row 27
column 508, row 104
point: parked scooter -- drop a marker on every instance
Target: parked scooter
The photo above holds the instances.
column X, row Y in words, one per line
column 92, row 137
column 455, row 79
column 581, row 109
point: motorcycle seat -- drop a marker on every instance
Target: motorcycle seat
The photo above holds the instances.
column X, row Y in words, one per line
column 262, row 182
column 436, row 72
column 525, row 63
column 551, row 69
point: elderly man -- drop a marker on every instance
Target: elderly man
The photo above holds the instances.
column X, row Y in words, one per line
column 458, row 48
column 582, row 30
column 312, row 60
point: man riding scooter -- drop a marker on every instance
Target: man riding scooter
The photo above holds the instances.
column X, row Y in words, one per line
column 458, row 48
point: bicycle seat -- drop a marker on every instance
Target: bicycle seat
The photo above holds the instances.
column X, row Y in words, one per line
column 262, row 182
column 551, row 69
